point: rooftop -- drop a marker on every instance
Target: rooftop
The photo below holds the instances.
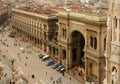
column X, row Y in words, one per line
column 84, row 17
column 38, row 9
column 2, row 7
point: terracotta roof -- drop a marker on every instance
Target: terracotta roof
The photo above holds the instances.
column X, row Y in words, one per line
column 74, row 7
column 48, row 11
column 39, row 10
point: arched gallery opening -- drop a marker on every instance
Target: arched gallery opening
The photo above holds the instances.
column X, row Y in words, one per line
column 77, row 49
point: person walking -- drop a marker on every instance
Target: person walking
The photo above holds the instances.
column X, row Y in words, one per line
column 51, row 78
column 70, row 78
column 53, row 82
column 46, row 73
column 63, row 73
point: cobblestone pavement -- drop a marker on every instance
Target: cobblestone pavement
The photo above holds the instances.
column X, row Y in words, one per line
column 30, row 63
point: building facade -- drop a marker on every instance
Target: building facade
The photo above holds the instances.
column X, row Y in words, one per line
column 38, row 29
column 81, row 41
column 3, row 13
column 113, row 43
column 74, row 40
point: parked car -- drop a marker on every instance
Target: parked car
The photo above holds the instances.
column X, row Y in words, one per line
column 50, row 62
column 62, row 69
column 46, row 57
column 58, row 68
column 55, row 66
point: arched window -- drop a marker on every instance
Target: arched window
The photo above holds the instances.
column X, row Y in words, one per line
column 104, row 43
column 115, row 22
column 65, row 33
column 95, row 43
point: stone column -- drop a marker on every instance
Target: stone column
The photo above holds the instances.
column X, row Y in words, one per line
column 47, row 50
column 42, row 46
column 55, row 52
column 67, row 60
column 59, row 55
column 70, row 58
column 99, row 72
column 108, row 48
column 52, row 51
column 113, row 29
column 86, row 68
column 118, row 30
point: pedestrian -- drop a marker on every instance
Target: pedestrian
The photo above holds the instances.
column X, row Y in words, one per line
column 25, row 64
column 26, row 57
column 10, row 82
column 56, row 81
column 53, row 82
column 51, row 78
column 4, row 56
column 5, row 75
column 46, row 73
column 12, row 62
column 33, row 76
column 70, row 78
column 7, row 45
column 63, row 73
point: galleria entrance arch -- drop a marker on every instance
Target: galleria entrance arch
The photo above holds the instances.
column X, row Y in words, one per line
column 77, row 49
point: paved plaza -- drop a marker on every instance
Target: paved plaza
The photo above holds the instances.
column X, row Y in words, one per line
column 29, row 62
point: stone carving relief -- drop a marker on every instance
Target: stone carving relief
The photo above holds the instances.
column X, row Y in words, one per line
column 114, row 75
column 17, row 76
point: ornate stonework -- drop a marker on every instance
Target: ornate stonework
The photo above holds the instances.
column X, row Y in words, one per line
column 113, row 46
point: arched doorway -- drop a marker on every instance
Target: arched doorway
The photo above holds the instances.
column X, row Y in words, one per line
column 77, row 46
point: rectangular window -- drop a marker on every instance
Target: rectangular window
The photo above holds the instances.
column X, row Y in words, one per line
column 91, row 41
column 95, row 43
